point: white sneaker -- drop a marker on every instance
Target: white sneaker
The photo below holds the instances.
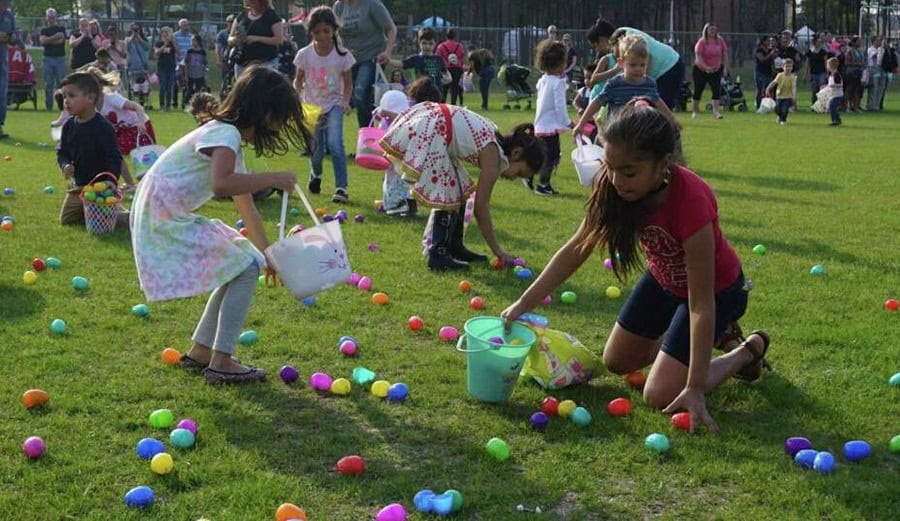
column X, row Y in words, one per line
column 717, row 115
column 782, row 122
column 399, row 209
column 693, row 115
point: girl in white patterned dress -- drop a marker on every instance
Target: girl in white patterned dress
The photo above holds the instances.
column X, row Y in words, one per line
column 429, row 142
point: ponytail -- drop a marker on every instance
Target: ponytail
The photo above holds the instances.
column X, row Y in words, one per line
column 534, row 151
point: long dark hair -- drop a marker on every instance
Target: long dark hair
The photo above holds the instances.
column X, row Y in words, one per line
column 600, row 29
column 611, row 220
column 263, row 100
column 324, row 15
column 533, row 149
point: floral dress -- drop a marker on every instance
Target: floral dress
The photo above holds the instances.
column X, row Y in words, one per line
column 430, row 141
column 178, row 252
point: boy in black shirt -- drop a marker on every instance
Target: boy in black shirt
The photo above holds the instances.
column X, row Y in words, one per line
column 426, row 63
column 88, row 146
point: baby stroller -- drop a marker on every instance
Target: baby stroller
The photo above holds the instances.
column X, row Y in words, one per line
column 732, row 95
column 21, row 78
column 139, row 85
column 515, row 78
column 575, row 83
column 684, row 97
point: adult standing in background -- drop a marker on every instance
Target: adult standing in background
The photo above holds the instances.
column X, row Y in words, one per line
column 258, row 32
column 453, row 53
column 553, row 33
column 819, row 52
column 482, row 62
column 710, row 64
column 84, row 45
column 877, row 77
column 118, row 52
column 571, row 56
column 138, row 52
column 367, row 31
column 764, row 72
column 53, row 39
column 7, row 35
column 854, row 65
column 222, row 49
column 183, row 37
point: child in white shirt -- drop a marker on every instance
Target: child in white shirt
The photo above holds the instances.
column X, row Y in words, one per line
column 552, row 115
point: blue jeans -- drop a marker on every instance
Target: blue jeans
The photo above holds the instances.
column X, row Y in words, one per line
column 762, row 81
column 834, row 107
column 166, row 86
column 783, row 108
column 363, row 96
column 4, row 84
column 817, row 81
column 485, row 77
column 329, row 135
column 54, row 71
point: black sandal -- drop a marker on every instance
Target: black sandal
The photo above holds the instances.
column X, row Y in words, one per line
column 192, row 364
column 252, row 374
column 753, row 370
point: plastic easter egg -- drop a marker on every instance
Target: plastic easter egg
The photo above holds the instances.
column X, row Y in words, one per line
column 39, row 264
column 657, row 442
column 619, row 407
column 857, row 450
column 565, row 408
column 58, row 326
column 448, row 334
column 351, row 466
column 519, row 261
column 239, row 223
column 415, row 323
column 895, row 380
column 458, row 500
column 149, row 447
column 824, row 463
column 613, row 292
column 759, row 249
column 244, row 232
column 188, row 424
column 550, row 406
column 182, row 438
column 817, row 270
column 380, row 299
column 348, row 348
column 682, row 421
column 35, row 398
column 90, row 196
column 795, row 444
column 346, row 338
column 380, row 388
column 320, row 382
column 359, row 218
column 34, row 447
column 362, row 375
column 248, row 338
column 635, row 380
column 29, row 277
column 364, row 284
column 341, row 215
column 354, row 279
column 373, row 247
column 289, row 374
column 607, row 263
column 140, row 310
column 294, row 211
column 569, row 297
column 805, row 458
column 498, row 263
column 49, row 189
column 525, row 274
column 162, row 463
column 290, row 512
column 54, row 263
column 9, row 191
column 340, row 386
column 422, row 501
column 7, row 226
column 398, row 392
column 465, row 286
column 442, row 504
column 581, row 417
column 308, row 301
column 498, row 449
column 477, row 303
column 892, row 304
column 894, row 445
column 392, row 512
column 170, row 356
column 80, row 283
column 139, row 497
column 162, row 418
column 546, row 301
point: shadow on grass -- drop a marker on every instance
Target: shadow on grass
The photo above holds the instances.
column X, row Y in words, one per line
column 760, row 198
column 778, row 183
column 808, row 249
column 17, row 302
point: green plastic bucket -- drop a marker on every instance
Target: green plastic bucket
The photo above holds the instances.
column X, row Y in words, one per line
column 492, row 368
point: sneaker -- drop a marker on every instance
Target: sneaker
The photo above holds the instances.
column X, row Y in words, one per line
column 718, row 115
column 400, row 209
column 544, row 190
column 835, row 124
column 782, row 122
column 340, row 196
column 528, row 182
column 693, row 115
column 315, row 185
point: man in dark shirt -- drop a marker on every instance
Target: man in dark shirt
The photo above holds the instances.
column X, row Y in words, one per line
column 53, row 39
column 818, row 75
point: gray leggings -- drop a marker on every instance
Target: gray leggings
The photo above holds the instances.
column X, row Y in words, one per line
column 225, row 312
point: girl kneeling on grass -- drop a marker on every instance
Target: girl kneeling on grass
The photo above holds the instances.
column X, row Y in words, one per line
column 693, row 290
column 180, row 253
column 429, row 142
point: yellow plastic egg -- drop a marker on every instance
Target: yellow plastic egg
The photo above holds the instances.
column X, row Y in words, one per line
column 380, row 388
column 162, row 463
column 111, row 200
column 613, row 292
column 99, row 187
column 341, row 386
column 565, row 408
column 516, row 342
column 29, row 277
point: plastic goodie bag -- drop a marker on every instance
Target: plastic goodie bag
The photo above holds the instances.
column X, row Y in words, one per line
column 766, row 105
column 311, row 260
column 557, row 359
column 143, row 157
column 588, row 159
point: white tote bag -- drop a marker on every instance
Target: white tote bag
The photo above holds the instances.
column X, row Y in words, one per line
column 314, row 259
column 588, row 159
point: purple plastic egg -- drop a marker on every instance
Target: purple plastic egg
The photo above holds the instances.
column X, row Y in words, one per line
column 360, row 218
column 34, row 447
column 188, row 424
column 354, row 279
column 496, row 340
column 327, row 218
column 392, row 512
column 373, row 247
column 519, row 261
column 320, row 382
column 547, row 300
column 607, row 263
column 289, row 374
column 348, row 348
column 539, row 421
column 795, row 444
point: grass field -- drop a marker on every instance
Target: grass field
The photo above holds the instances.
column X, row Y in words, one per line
column 810, row 193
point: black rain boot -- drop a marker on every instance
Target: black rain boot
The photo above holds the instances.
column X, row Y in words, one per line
column 439, row 257
column 457, row 249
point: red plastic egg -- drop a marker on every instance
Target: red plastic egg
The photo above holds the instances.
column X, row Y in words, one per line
column 351, row 466
column 476, row 303
column 498, row 264
column 892, row 304
column 243, row 231
column 38, row 264
column 682, row 421
column 550, row 406
column 619, row 407
column 415, row 323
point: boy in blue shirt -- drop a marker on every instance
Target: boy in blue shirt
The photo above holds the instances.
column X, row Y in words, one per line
column 426, row 63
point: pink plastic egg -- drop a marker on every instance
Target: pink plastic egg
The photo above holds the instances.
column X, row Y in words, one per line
column 188, row 424
column 547, row 300
column 348, row 348
column 354, row 279
column 320, row 382
column 448, row 333
column 365, row 284
column 392, row 512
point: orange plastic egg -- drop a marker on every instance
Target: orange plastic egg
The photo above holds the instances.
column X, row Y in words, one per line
column 635, row 380
column 170, row 356
column 321, row 211
column 380, row 299
column 465, row 286
column 35, row 398
column 289, row 511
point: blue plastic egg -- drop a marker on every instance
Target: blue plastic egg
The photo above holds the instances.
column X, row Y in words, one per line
column 524, row 273
column 442, row 504
column 139, row 497
column 806, row 458
column 824, row 462
column 895, row 380
column 248, row 337
column 239, row 224
column 140, row 310
column 309, row 301
column 182, row 438
column 149, row 447
column 398, row 392
column 857, row 450
column 422, row 501
column 581, row 416
column 539, row 421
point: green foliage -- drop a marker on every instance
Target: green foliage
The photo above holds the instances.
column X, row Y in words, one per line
column 36, row 8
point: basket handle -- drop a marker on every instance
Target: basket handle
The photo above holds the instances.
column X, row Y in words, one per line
column 379, row 71
column 462, row 339
column 142, row 132
column 284, row 204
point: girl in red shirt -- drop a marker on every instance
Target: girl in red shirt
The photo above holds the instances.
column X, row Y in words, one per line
column 693, row 290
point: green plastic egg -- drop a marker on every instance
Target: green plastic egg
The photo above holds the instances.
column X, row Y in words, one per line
column 162, row 419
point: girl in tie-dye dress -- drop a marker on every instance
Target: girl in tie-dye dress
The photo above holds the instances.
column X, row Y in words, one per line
column 429, row 143
column 180, row 253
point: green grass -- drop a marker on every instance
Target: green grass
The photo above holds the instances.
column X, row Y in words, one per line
column 810, row 193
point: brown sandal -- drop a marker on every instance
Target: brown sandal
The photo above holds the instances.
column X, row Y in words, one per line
column 731, row 338
column 252, row 374
column 192, row 364
column 753, row 370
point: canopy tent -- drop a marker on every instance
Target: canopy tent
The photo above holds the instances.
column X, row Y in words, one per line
column 434, row 22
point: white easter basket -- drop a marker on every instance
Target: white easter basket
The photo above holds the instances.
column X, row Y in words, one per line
column 766, row 105
column 312, row 260
column 588, row 158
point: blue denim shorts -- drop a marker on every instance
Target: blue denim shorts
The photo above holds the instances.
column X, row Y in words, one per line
column 652, row 312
